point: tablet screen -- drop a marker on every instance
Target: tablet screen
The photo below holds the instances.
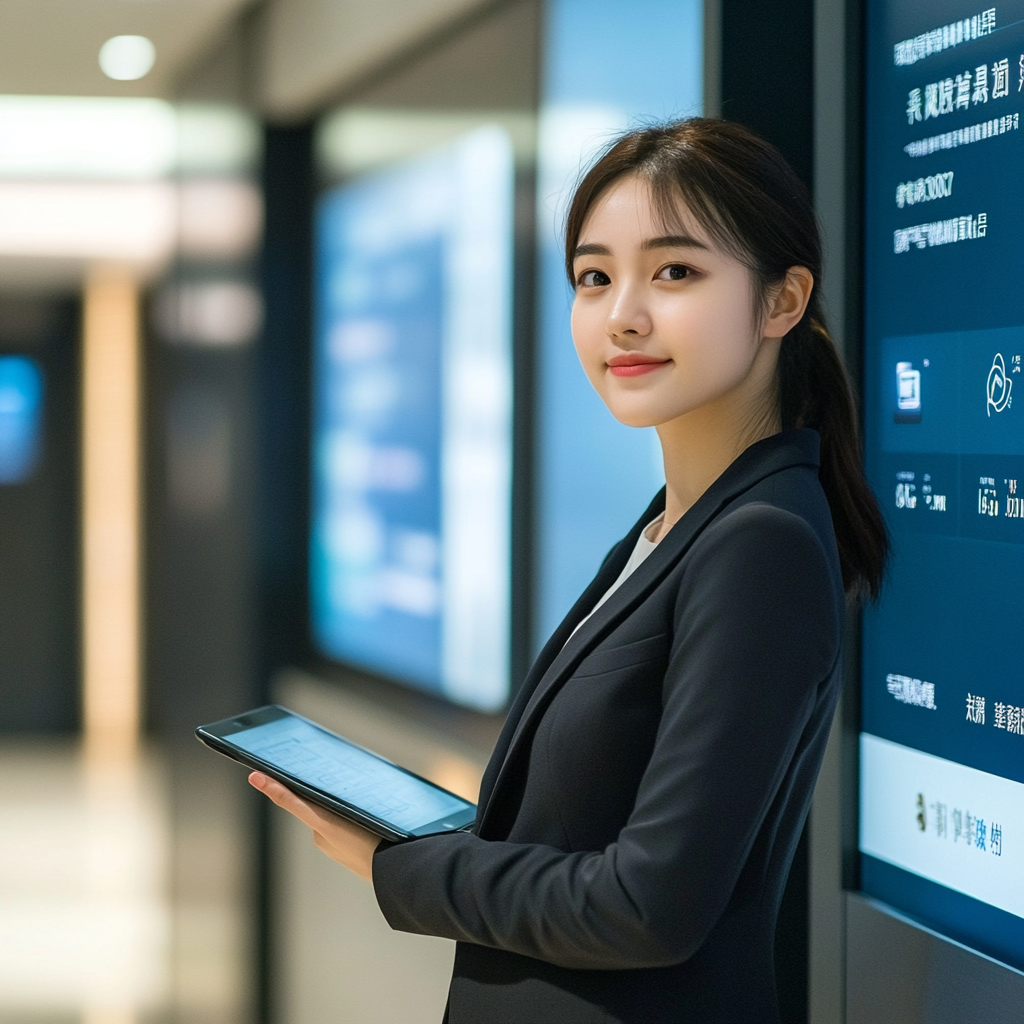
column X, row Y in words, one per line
column 345, row 771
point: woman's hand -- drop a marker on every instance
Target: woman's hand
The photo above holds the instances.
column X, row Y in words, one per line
column 349, row 844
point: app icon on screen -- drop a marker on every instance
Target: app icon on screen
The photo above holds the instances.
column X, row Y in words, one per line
column 908, row 394
column 998, row 386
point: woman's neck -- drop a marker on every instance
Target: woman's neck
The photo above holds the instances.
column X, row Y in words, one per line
column 699, row 446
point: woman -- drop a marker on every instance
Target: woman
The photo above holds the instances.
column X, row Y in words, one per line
column 639, row 815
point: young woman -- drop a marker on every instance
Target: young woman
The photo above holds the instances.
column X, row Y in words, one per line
column 640, row 812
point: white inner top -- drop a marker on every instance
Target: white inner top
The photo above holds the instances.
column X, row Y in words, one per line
column 644, row 546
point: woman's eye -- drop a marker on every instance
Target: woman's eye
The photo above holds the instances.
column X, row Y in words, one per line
column 593, row 279
column 674, row 272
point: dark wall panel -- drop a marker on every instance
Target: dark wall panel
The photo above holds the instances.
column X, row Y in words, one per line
column 282, row 441
column 282, row 388
column 39, row 543
column 199, row 631
column 768, row 74
column 767, row 84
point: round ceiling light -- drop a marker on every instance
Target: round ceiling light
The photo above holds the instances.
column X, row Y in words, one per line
column 126, row 58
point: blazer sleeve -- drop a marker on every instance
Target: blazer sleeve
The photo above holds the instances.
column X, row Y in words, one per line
column 757, row 632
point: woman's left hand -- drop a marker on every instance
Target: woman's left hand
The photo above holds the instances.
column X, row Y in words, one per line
column 349, row 844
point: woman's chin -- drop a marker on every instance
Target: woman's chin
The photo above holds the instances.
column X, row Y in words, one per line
column 632, row 418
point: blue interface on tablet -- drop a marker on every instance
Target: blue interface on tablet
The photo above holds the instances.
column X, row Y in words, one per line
column 347, row 772
column 942, row 746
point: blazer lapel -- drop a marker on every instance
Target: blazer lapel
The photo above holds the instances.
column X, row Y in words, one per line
column 606, row 576
column 564, row 651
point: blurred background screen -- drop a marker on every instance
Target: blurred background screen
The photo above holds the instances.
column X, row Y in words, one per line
column 21, row 415
column 594, row 476
column 410, row 545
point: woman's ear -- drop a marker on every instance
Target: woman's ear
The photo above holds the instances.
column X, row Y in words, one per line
column 789, row 302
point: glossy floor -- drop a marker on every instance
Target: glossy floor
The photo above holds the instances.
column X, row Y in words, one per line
column 123, row 888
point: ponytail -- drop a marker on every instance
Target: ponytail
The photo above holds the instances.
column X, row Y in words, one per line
column 751, row 202
column 815, row 391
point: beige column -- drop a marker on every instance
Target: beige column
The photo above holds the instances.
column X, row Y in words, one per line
column 111, row 515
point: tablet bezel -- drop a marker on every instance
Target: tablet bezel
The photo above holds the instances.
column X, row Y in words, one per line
column 217, row 735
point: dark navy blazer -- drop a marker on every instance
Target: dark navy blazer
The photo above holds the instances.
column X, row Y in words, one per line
column 640, row 812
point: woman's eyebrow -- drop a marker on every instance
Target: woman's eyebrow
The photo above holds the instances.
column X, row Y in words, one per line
column 673, row 242
column 591, row 249
column 661, row 242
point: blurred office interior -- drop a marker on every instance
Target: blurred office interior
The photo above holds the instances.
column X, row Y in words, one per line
column 210, row 454
column 289, row 412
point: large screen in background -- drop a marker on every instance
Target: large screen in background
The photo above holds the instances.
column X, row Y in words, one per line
column 410, row 541
column 594, row 475
column 942, row 742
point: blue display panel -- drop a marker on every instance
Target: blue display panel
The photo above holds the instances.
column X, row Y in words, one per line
column 410, row 559
column 21, row 417
column 942, row 747
column 607, row 65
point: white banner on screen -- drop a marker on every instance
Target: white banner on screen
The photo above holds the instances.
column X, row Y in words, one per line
column 954, row 825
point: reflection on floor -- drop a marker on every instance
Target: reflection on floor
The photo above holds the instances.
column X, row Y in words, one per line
column 120, row 889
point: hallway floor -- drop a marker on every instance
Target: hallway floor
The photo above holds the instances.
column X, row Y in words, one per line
column 121, row 889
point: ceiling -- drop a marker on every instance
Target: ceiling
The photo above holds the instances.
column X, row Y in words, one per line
column 51, row 47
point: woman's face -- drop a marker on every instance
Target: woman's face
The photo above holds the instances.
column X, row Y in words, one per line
column 664, row 324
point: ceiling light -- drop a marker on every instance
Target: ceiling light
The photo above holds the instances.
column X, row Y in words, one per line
column 358, row 139
column 125, row 221
column 127, row 58
column 216, row 138
column 74, row 137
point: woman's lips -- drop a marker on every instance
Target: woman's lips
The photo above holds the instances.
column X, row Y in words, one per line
column 635, row 365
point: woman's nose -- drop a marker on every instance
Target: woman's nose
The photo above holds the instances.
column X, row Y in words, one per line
column 629, row 316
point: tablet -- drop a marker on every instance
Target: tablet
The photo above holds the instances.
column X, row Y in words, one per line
column 338, row 775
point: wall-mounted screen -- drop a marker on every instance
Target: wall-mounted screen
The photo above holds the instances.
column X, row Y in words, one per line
column 410, row 557
column 21, row 416
column 594, row 475
column 942, row 746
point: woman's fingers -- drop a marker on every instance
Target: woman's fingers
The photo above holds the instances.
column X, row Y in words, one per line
column 286, row 799
column 349, row 844
column 319, row 820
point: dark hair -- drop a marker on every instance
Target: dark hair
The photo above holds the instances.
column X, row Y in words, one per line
column 750, row 201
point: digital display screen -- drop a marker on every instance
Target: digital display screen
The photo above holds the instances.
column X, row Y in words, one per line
column 348, row 772
column 942, row 746
column 410, row 545
column 21, row 417
column 594, row 475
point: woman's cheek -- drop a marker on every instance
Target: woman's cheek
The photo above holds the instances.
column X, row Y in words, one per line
column 589, row 343
column 597, row 374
